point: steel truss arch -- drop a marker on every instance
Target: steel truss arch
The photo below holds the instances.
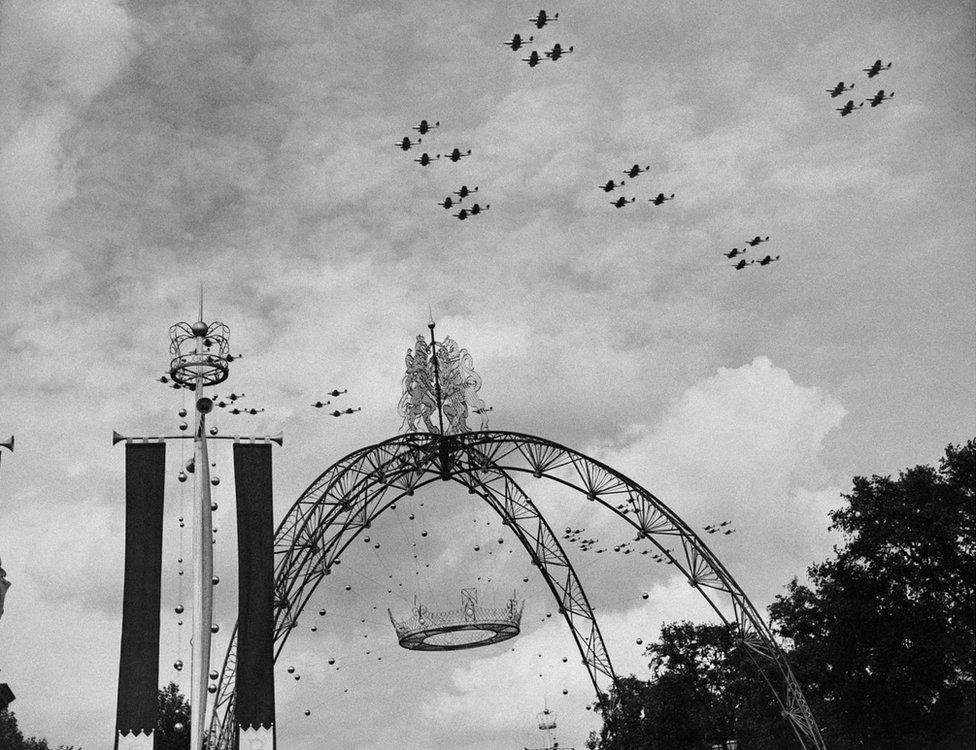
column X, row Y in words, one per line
column 347, row 497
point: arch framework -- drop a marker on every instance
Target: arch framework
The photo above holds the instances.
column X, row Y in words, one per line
column 346, row 498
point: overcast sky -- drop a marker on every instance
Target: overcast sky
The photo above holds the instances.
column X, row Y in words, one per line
column 146, row 146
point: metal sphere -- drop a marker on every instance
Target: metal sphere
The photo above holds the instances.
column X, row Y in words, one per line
column 565, row 692
column 213, row 506
column 178, row 726
column 214, row 628
column 216, row 580
column 308, row 713
column 213, row 674
column 183, row 425
column 178, row 665
column 314, row 628
column 204, row 405
column 322, row 612
column 181, row 476
column 214, row 481
column 331, row 661
column 213, row 430
column 179, row 609
column 182, row 412
column 212, row 689
column 291, row 670
column 199, row 328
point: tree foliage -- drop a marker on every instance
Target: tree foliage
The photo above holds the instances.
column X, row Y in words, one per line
column 173, row 727
column 882, row 636
column 11, row 738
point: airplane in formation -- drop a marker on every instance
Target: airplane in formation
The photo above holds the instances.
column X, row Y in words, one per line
column 839, row 89
column 558, row 51
column 464, row 192
column 636, row 170
column 756, row 240
column 406, row 143
column 848, row 108
column 660, row 199
column 456, row 154
column 875, row 100
column 447, row 203
column 876, row 69
column 425, row 127
column 767, row 260
column 533, row 59
column 516, row 42
column 734, row 252
column 542, row 19
column 621, row 202
column 476, row 209
column 611, row 185
column 742, row 264
column 425, row 159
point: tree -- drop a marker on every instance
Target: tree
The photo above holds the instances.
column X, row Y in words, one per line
column 11, row 738
column 173, row 728
column 704, row 689
column 883, row 635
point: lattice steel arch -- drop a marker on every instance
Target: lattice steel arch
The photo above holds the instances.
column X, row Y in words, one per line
column 353, row 492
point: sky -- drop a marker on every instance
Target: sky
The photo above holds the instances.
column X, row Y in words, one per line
column 149, row 146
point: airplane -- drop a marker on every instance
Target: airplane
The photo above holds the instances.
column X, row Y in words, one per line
column 516, row 42
column 876, row 68
column 742, row 264
column 542, row 19
column 730, row 531
column 733, row 252
column 406, row 143
column 558, row 51
column 756, row 240
column 621, row 202
column 532, row 59
column 875, row 100
column 464, row 192
column 767, row 260
column 456, row 154
column 345, row 411
column 848, row 108
column 476, row 209
column 320, row 404
column 424, row 127
column 839, row 89
column 610, row 185
column 725, row 523
column 660, row 199
column 447, row 202
column 425, row 159
column 635, row 170
column 337, row 392
column 462, row 214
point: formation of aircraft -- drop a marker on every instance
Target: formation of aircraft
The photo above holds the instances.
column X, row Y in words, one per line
column 743, row 263
column 874, row 101
column 425, row 159
column 334, row 392
column 556, row 52
column 456, row 155
column 633, row 172
column 475, row 210
column 406, row 144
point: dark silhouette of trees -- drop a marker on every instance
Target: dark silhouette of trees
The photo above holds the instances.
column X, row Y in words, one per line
column 882, row 636
column 11, row 738
column 173, row 729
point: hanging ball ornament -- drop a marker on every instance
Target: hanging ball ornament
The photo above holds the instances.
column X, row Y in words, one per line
column 213, row 674
column 322, row 613
column 178, row 665
column 212, row 689
column 645, row 596
column 331, row 662
column 216, row 580
column 178, row 726
column 199, row 328
column 213, row 506
column 214, row 628
column 183, row 425
column 182, row 412
column 181, row 476
column 291, row 670
column 179, row 609
column 214, row 481
column 213, row 430
column 308, row 713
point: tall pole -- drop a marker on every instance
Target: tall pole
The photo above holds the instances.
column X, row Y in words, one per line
column 437, row 378
column 202, row 553
column 202, row 578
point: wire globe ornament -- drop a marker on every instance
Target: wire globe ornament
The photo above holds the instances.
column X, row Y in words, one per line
column 471, row 626
column 199, row 351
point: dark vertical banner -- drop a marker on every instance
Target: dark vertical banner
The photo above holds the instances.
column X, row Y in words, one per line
column 145, row 466
column 255, row 708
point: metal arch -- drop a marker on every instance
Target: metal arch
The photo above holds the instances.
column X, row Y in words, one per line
column 402, row 462
column 502, row 494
